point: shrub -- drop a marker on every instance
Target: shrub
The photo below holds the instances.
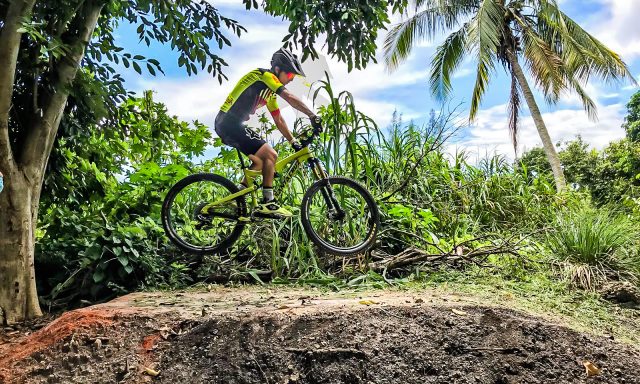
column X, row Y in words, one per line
column 594, row 244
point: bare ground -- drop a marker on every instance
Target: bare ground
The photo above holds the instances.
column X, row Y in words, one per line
column 258, row 335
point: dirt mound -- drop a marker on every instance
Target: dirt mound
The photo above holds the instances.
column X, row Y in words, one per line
column 200, row 338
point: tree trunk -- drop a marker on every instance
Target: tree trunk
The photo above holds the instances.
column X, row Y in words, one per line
column 24, row 172
column 547, row 144
column 18, row 215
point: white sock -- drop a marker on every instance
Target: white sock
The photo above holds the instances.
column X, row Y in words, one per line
column 267, row 194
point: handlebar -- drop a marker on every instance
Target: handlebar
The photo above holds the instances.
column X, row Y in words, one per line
column 305, row 143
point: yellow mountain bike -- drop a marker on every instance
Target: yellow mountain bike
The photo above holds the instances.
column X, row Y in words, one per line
column 206, row 213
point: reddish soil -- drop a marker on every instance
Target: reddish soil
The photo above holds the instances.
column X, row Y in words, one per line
column 260, row 336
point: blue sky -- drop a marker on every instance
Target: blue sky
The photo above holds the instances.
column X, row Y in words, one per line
column 378, row 93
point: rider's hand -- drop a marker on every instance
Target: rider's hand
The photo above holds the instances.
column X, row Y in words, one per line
column 316, row 123
column 295, row 144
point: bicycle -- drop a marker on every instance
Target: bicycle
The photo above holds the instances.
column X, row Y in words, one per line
column 206, row 213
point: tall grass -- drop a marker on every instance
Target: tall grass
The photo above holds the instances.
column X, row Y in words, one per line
column 595, row 244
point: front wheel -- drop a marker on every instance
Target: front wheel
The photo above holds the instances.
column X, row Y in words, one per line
column 340, row 216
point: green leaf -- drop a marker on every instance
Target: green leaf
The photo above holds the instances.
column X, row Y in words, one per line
column 98, row 276
column 124, row 260
column 137, row 68
column 255, row 276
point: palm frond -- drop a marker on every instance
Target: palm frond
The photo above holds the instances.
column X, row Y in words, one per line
column 484, row 37
column 514, row 110
column 440, row 17
column 445, row 61
column 583, row 54
column 587, row 102
column 542, row 61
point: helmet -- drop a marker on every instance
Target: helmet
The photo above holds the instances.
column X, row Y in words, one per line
column 286, row 61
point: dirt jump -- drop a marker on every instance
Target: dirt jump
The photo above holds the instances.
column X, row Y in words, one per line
column 259, row 335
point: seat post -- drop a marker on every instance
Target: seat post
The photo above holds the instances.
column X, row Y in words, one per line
column 241, row 159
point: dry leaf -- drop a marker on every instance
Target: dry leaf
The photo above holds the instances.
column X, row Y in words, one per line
column 367, row 302
column 591, row 369
column 458, row 312
column 151, row 372
column 283, row 306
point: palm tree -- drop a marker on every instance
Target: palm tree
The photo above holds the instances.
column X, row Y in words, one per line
column 559, row 55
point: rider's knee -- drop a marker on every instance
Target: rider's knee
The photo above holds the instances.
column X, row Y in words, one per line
column 267, row 154
column 270, row 156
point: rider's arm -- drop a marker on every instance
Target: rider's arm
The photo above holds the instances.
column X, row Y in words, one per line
column 296, row 103
column 282, row 126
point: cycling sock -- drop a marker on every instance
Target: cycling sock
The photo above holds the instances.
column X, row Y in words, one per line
column 267, row 194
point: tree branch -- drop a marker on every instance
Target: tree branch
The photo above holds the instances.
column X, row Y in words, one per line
column 42, row 134
column 9, row 48
column 458, row 255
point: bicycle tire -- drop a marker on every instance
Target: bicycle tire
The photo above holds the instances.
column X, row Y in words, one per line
column 317, row 239
column 221, row 246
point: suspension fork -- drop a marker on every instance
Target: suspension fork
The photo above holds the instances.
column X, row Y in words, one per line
column 335, row 210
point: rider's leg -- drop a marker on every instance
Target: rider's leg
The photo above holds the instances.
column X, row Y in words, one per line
column 256, row 165
column 268, row 156
column 269, row 205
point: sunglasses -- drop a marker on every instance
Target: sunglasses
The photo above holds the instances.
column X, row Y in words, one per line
column 290, row 75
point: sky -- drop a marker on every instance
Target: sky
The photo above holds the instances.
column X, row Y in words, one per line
column 379, row 93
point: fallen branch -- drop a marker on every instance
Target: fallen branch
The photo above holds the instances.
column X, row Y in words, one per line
column 459, row 254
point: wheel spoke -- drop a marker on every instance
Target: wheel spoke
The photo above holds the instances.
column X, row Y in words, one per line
column 348, row 228
column 191, row 228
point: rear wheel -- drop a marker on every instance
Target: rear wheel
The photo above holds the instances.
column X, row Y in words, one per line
column 199, row 232
column 340, row 216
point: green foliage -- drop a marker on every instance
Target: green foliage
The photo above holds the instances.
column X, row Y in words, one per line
column 350, row 27
column 632, row 121
column 534, row 162
column 594, row 244
column 617, row 178
column 610, row 176
column 196, row 30
column 100, row 232
column 579, row 163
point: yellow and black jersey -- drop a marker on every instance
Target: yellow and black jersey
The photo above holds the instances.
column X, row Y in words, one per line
column 254, row 90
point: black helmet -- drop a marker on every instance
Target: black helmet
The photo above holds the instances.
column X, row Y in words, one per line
column 286, row 61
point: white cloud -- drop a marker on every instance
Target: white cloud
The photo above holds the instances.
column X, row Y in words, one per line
column 463, row 72
column 489, row 133
column 617, row 27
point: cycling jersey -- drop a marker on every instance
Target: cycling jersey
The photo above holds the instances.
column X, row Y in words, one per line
column 254, row 90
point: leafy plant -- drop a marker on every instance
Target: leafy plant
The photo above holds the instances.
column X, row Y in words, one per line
column 594, row 244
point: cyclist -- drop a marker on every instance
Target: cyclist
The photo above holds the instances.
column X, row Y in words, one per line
column 255, row 89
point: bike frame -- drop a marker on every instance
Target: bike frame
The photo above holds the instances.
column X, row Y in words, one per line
column 296, row 159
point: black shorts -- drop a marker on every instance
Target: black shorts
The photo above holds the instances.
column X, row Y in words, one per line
column 235, row 134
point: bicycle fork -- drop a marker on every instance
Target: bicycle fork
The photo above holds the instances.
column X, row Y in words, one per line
column 335, row 211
